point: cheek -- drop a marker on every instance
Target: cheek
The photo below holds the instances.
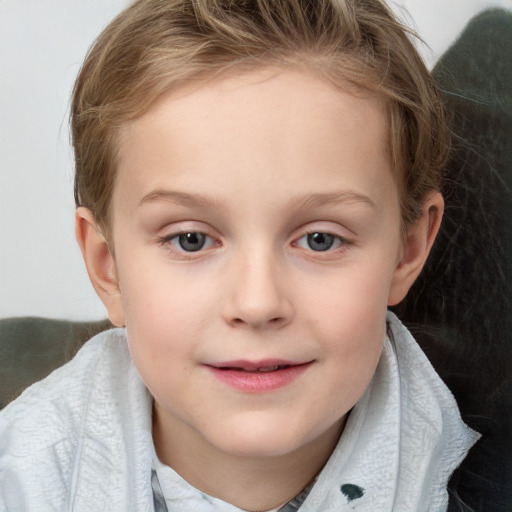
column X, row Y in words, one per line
column 354, row 354
column 154, row 315
column 349, row 319
column 167, row 311
column 349, row 300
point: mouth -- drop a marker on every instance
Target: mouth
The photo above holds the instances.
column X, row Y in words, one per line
column 265, row 369
column 266, row 366
column 258, row 376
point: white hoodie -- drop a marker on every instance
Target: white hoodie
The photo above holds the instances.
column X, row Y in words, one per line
column 80, row 440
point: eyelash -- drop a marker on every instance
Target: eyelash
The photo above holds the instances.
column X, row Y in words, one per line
column 340, row 243
column 167, row 241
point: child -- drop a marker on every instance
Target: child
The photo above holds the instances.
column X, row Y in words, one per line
column 256, row 181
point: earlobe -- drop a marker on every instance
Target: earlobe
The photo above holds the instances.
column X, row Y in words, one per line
column 100, row 263
column 419, row 239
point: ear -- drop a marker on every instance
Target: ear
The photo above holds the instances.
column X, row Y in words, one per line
column 418, row 241
column 100, row 263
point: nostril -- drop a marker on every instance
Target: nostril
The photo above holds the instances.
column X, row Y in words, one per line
column 272, row 322
column 257, row 311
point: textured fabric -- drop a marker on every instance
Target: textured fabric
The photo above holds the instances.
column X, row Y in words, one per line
column 401, row 443
column 460, row 308
column 78, row 440
column 182, row 496
column 81, row 439
column 31, row 348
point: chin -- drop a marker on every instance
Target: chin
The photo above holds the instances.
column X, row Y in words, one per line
column 260, row 447
column 258, row 439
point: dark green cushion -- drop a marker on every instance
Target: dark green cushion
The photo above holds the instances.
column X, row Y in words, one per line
column 460, row 309
column 31, row 348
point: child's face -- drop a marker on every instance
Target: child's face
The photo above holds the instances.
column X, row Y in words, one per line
column 255, row 224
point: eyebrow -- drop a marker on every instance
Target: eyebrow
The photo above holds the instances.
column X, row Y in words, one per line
column 303, row 201
column 320, row 199
column 179, row 198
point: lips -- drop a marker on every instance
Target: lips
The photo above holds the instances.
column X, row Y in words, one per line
column 260, row 369
column 258, row 376
column 266, row 365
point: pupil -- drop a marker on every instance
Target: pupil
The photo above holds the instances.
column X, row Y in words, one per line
column 191, row 241
column 320, row 241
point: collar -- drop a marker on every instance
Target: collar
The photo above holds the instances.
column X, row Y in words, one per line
column 402, row 441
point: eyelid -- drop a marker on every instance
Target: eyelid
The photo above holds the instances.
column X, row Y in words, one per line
column 171, row 239
column 324, row 226
column 173, row 233
column 340, row 238
column 344, row 235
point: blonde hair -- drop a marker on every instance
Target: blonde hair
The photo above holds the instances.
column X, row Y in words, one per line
column 155, row 46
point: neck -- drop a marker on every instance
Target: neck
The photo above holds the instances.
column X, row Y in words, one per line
column 248, row 482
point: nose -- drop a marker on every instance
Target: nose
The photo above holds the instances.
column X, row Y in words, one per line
column 258, row 295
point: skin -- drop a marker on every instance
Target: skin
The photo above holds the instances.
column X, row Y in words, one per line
column 256, row 162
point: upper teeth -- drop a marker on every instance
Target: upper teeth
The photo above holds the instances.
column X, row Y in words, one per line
column 262, row 369
column 268, row 368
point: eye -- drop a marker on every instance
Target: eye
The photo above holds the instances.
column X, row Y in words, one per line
column 192, row 241
column 319, row 241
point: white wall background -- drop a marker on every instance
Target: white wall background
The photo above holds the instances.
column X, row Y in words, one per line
column 42, row 43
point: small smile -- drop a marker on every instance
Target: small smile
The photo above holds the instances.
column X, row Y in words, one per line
column 261, row 369
column 258, row 376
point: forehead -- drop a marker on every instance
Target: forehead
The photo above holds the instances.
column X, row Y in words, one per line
column 290, row 122
column 280, row 88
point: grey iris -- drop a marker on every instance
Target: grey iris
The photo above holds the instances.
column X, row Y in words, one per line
column 320, row 241
column 191, row 242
